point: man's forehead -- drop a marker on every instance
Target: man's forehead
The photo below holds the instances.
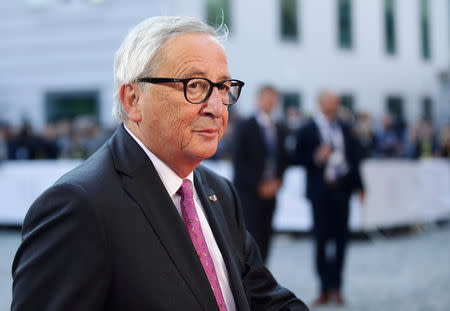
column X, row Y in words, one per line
column 193, row 54
column 196, row 38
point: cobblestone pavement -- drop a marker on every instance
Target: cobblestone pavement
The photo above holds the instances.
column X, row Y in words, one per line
column 407, row 273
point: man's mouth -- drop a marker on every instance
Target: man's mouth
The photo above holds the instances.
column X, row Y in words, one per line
column 208, row 132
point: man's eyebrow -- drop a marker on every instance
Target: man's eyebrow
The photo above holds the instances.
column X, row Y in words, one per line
column 194, row 74
column 202, row 74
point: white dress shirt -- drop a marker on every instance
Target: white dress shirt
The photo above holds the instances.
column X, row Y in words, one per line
column 331, row 134
column 172, row 183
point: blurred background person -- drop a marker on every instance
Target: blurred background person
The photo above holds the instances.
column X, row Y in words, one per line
column 259, row 161
column 3, row 141
column 412, row 141
column 330, row 155
column 23, row 146
column 427, row 145
column 421, row 141
column 444, row 141
column 365, row 135
column 46, row 147
column 389, row 143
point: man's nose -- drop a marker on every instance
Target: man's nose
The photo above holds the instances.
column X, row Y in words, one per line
column 214, row 105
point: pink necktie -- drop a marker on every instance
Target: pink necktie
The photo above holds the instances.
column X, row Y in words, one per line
column 195, row 231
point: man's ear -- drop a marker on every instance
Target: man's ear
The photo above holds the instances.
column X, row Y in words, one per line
column 129, row 96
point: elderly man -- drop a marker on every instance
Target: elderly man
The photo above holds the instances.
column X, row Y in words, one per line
column 327, row 149
column 139, row 225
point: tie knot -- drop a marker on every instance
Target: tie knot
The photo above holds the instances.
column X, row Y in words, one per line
column 186, row 189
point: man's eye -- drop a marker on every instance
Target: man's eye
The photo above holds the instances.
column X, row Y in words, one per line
column 200, row 85
column 223, row 87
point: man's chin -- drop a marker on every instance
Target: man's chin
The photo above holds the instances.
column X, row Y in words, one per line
column 205, row 153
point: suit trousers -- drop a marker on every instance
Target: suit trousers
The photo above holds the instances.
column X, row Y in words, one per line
column 330, row 215
column 258, row 215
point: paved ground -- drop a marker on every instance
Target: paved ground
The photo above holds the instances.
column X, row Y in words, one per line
column 9, row 241
column 407, row 273
column 410, row 272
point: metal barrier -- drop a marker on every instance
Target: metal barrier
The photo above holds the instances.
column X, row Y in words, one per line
column 398, row 192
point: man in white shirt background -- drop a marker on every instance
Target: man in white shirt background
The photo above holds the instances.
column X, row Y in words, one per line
column 330, row 155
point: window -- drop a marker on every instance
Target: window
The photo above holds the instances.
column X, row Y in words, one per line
column 395, row 109
column 68, row 105
column 345, row 23
column 218, row 10
column 427, row 109
column 346, row 101
column 289, row 24
column 346, row 110
column 389, row 26
column 290, row 99
column 425, row 29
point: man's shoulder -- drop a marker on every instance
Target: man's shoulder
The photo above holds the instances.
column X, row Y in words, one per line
column 94, row 171
column 345, row 126
column 248, row 122
column 78, row 192
column 309, row 126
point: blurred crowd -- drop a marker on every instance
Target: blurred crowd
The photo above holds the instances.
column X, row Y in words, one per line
column 82, row 136
column 69, row 139
column 392, row 138
column 378, row 138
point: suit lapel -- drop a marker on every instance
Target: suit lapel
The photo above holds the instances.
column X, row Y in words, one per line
column 259, row 136
column 142, row 183
column 316, row 135
column 216, row 219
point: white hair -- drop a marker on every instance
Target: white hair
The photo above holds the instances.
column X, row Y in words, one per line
column 138, row 53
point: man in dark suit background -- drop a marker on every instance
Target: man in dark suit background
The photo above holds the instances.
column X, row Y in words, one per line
column 259, row 160
column 140, row 225
column 329, row 153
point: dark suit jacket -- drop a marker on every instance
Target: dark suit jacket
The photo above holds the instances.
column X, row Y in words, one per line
column 250, row 154
column 308, row 140
column 107, row 236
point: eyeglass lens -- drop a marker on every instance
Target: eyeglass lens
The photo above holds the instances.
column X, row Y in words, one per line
column 198, row 89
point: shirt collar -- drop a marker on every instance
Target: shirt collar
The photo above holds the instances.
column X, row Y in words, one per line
column 263, row 118
column 172, row 182
column 321, row 119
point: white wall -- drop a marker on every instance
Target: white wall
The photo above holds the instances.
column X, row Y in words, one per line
column 71, row 46
column 316, row 62
column 60, row 47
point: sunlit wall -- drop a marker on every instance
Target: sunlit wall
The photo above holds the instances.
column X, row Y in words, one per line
column 56, row 55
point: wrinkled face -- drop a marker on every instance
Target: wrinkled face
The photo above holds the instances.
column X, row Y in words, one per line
column 175, row 130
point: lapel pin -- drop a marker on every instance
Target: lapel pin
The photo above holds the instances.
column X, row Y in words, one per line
column 213, row 198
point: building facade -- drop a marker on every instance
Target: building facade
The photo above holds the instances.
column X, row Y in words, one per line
column 56, row 56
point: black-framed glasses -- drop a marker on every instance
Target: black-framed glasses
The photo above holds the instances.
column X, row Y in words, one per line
column 198, row 90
